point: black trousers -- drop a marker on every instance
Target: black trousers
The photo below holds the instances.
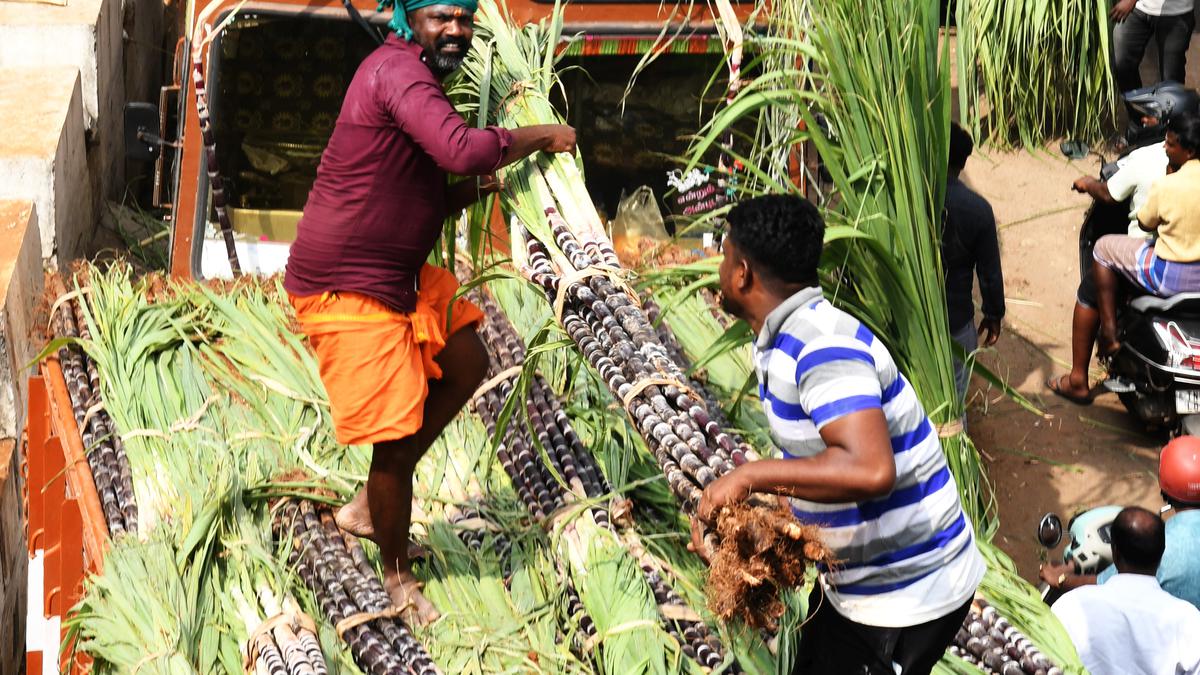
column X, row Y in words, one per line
column 831, row 644
column 1131, row 36
column 1101, row 219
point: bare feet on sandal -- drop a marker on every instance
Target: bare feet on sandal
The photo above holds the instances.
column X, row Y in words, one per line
column 405, row 592
column 1075, row 392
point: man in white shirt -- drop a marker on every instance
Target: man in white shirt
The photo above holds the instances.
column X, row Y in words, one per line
column 1136, row 173
column 1131, row 626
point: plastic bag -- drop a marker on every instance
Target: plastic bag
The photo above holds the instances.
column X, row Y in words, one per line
column 638, row 217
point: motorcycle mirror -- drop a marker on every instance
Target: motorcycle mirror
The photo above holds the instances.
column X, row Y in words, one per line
column 1050, row 530
column 1074, row 149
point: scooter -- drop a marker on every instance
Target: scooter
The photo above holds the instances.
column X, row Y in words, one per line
column 1156, row 373
column 1090, row 548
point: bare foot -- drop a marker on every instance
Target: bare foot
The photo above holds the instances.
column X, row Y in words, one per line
column 355, row 518
column 405, row 591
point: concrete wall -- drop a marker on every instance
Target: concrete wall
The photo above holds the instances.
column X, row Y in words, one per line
column 43, row 155
column 21, row 280
column 86, row 35
column 21, row 284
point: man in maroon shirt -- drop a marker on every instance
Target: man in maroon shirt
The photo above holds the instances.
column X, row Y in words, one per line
column 399, row 356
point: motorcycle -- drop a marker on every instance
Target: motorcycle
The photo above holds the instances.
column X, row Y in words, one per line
column 1156, row 373
column 1090, row 548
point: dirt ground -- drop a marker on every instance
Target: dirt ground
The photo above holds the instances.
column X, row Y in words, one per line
column 1074, row 457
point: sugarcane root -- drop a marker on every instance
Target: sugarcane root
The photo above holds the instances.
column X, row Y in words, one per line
column 761, row 550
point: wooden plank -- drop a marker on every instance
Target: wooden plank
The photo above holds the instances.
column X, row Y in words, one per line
column 78, row 472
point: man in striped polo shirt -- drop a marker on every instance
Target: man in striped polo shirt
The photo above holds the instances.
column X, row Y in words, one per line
column 860, row 457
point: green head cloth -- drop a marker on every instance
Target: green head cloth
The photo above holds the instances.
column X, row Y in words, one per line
column 401, row 8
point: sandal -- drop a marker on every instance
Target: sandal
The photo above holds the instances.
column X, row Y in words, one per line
column 1054, row 384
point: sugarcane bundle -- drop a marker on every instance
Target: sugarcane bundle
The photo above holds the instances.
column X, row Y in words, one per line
column 987, row 640
column 102, row 445
column 282, row 640
column 336, row 570
column 617, row 339
column 461, row 501
column 503, row 602
column 576, row 477
column 559, row 244
column 546, row 492
column 569, row 461
column 671, row 342
column 682, row 623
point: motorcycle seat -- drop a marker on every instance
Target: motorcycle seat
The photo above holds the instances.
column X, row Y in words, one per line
column 1147, row 304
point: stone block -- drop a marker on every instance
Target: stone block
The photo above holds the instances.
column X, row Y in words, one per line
column 85, row 35
column 43, row 156
column 21, row 284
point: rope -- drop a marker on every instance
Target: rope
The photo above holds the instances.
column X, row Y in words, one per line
column 296, row 621
column 675, row 612
column 640, row 386
column 499, row 379
column 356, row 620
column 476, row 523
column 292, row 620
column 185, row 424
column 575, row 276
column 90, row 413
column 949, row 429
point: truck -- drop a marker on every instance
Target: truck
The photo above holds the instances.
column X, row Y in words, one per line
column 276, row 75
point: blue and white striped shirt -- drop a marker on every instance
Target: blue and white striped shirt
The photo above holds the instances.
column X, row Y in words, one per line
column 908, row 557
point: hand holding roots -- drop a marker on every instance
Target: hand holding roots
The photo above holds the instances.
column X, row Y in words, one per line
column 760, row 551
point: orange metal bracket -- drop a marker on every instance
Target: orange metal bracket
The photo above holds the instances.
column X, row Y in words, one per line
column 66, row 521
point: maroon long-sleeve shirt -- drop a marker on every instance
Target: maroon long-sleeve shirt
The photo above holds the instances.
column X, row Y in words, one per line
column 379, row 200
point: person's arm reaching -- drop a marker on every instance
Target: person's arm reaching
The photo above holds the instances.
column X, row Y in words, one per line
column 544, row 137
column 1096, row 189
column 421, row 109
column 991, row 280
column 856, row 465
column 1062, row 577
column 464, row 193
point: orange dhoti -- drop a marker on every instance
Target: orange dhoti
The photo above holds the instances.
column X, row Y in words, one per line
column 375, row 362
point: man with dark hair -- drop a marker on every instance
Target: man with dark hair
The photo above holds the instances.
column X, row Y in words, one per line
column 1170, row 264
column 1179, row 570
column 860, row 457
column 1131, row 625
column 1131, row 182
column 970, row 247
column 374, row 313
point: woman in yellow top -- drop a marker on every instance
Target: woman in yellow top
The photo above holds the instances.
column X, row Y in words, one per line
column 1170, row 263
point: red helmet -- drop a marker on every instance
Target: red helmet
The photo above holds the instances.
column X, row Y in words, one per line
column 1179, row 469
